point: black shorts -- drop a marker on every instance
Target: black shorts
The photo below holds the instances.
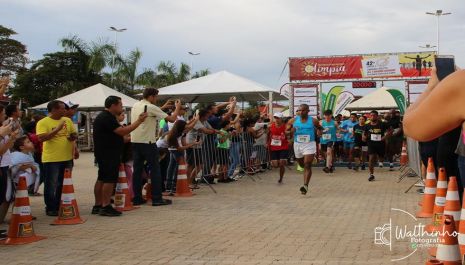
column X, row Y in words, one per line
column 376, row 149
column 325, row 146
column 222, row 156
column 194, row 156
column 279, row 155
column 108, row 168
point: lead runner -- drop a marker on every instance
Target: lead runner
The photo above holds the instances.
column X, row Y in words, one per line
column 303, row 127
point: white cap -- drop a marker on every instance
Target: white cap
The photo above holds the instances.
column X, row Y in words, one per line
column 278, row 115
column 70, row 104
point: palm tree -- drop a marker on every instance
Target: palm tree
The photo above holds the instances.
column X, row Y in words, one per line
column 127, row 68
column 204, row 72
column 97, row 55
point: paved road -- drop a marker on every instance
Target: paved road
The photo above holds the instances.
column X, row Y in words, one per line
column 247, row 222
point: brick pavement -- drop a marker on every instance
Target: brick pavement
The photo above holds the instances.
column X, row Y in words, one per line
column 247, row 222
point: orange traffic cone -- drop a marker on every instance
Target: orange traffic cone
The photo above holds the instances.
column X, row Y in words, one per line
column 429, row 195
column 434, row 262
column 439, row 202
column 461, row 230
column 182, row 185
column 122, row 198
column 21, row 229
column 68, row 214
column 404, row 155
column 448, row 248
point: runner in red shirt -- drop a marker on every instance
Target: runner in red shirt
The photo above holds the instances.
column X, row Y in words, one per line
column 278, row 144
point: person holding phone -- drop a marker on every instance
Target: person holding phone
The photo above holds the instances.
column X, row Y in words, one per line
column 144, row 145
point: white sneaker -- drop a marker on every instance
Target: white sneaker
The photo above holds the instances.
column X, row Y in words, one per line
column 421, row 185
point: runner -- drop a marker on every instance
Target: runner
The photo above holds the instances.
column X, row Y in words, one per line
column 327, row 140
column 303, row 128
column 360, row 148
column 278, row 144
column 347, row 128
column 375, row 136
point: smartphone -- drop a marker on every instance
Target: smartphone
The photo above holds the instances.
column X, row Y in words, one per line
column 197, row 112
column 145, row 108
column 198, row 138
column 445, row 65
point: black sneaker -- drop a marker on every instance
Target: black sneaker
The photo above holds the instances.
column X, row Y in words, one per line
column 349, row 166
column 304, row 189
column 371, row 178
column 139, row 202
column 391, row 167
column 280, row 180
column 51, row 213
column 109, row 211
column 331, row 169
column 363, row 167
column 96, row 209
column 162, row 202
column 326, row 169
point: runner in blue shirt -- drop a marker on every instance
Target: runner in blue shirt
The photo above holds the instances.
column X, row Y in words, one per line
column 347, row 127
column 327, row 140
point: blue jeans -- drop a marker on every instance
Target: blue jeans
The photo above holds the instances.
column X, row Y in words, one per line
column 234, row 152
column 149, row 153
column 172, row 172
column 53, row 183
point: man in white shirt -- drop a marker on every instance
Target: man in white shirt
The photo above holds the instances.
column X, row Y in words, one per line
column 144, row 146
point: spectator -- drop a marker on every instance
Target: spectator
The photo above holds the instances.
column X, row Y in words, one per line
column 13, row 114
column 58, row 135
column 144, row 146
column 236, row 143
column 108, row 149
column 71, row 110
column 23, row 164
column 222, row 158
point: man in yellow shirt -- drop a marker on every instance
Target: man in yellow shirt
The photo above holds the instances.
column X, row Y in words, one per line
column 58, row 135
column 144, row 146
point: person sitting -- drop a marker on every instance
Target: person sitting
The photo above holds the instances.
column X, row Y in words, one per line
column 23, row 163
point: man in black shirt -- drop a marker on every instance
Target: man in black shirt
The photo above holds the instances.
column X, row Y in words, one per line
column 393, row 142
column 375, row 135
column 360, row 148
column 108, row 147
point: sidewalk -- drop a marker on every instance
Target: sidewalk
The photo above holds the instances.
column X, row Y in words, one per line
column 247, row 222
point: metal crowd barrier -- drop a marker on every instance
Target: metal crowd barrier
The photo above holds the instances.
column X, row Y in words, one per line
column 414, row 167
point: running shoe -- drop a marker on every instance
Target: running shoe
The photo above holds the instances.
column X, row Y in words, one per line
column 380, row 165
column 363, row 167
column 304, row 189
column 326, row 169
column 371, row 178
column 96, row 209
column 109, row 211
column 349, row 166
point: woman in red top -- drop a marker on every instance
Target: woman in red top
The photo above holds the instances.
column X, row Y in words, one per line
column 278, row 144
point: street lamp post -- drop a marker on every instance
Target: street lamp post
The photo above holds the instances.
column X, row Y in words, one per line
column 192, row 54
column 438, row 13
column 114, row 54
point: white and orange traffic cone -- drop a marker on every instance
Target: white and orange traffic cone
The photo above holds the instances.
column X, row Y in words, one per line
column 452, row 208
column 68, row 214
column 21, row 229
column 427, row 204
column 461, row 230
column 448, row 249
column 122, row 196
column 404, row 155
column 439, row 202
column 182, row 185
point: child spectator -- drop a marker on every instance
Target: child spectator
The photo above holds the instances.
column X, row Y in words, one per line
column 223, row 152
column 23, row 164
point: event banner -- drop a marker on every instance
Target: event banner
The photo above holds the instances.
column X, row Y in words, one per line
column 367, row 66
column 332, row 97
column 414, row 90
column 399, row 98
column 306, row 94
column 344, row 99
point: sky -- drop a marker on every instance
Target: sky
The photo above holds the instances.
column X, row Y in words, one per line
column 251, row 38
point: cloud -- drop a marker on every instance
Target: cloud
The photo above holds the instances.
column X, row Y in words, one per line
column 252, row 38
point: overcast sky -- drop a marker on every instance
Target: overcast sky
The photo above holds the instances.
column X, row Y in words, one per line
column 251, row 38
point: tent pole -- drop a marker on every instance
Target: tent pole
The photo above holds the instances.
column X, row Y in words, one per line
column 270, row 104
column 88, row 130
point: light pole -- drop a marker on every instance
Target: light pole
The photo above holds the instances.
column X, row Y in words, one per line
column 192, row 54
column 114, row 54
column 438, row 13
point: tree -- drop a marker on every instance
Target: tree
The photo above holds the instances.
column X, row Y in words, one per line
column 127, row 71
column 55, row 75
column 12, row 53
column 204, row 72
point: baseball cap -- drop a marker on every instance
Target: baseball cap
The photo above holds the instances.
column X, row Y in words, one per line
column 278, row 115
column 70, row 105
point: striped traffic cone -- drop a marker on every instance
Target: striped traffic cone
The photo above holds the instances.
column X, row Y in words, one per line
column 461, row 230
column 21, row 229
column 404, row 155
column 452, row 208
column 182, row 185
column 439, row 202
column 448, row 248
column 429, row 196
column 68, row 214
column 123, row 200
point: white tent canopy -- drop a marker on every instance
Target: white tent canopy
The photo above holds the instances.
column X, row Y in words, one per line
column 379, row 99
column 93, row 98
column 219, row 87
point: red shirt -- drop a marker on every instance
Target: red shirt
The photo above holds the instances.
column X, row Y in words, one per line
column 277, row 140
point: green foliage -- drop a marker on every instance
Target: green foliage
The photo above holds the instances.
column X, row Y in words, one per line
column 12, row 53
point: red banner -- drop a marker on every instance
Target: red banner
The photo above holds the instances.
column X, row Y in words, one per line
column 325, row 68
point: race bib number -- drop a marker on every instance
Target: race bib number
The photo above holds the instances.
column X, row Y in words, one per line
column 364, row 148
column 326, row 136
column 351, row 130
column 303, row 138
column 275, row 142
column 376, row 137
